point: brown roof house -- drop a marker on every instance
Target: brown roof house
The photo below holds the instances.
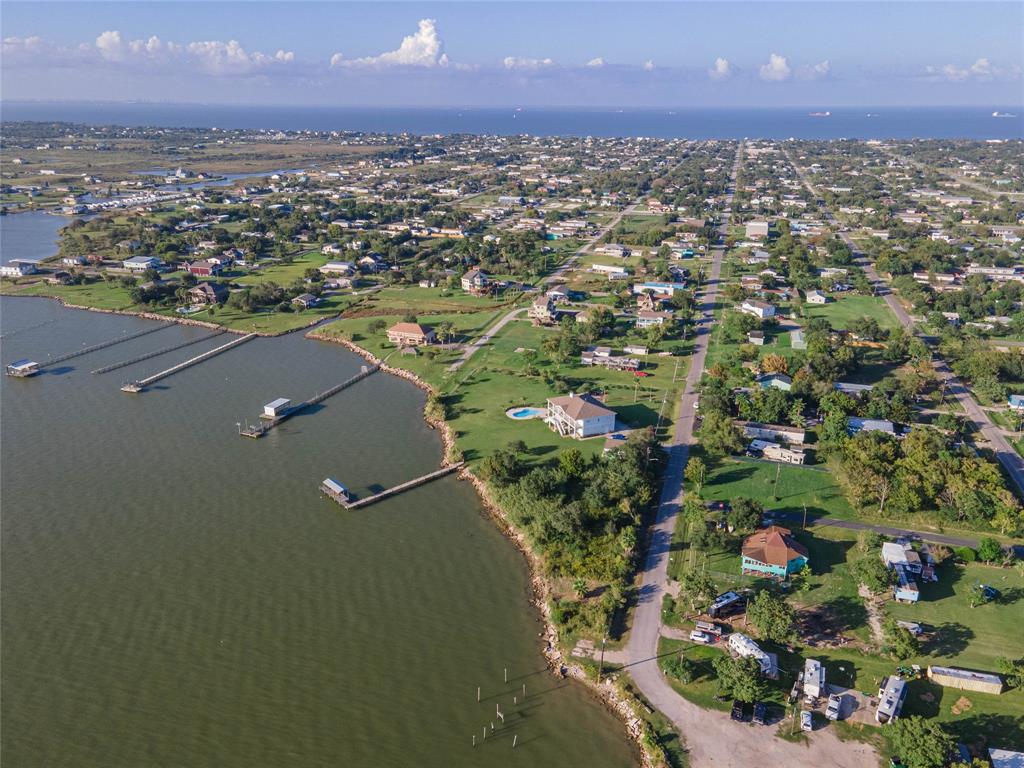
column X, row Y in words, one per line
column 773, row 552
column 579, row 416
column 411, row 335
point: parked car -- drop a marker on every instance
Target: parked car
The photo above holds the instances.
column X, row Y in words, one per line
column 760, row 713
column 835, row 706
column 739, row 711
column 697, row 636
column 806, row 721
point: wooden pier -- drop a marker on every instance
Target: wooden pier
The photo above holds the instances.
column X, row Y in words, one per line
column 267, row 423
column 337, row 492
column 12, row 370
column 141, row 384
column 156, row 353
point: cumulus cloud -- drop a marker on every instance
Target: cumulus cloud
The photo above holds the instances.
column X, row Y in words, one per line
column 776, row 70
column 518, row 62
column 425, row 48
column 111, row 47
column 596, row 63
column 982, row 69
column 648, row 65
column 815, row 71
column 722, row 70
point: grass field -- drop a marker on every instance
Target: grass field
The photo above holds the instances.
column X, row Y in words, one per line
column 848, row 307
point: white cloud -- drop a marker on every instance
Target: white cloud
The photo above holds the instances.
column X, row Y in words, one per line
column 425, row 48
column 596, row 63
column 722, row 70
column 815, row 71
column 648, row 65
column 518, row 62
column 776, row 70
column 982, row 69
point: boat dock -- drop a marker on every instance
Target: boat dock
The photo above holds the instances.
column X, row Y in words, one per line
column 156, row 353
column 277, row 411
column 141, row 384
column 339, row 493
column 24, row 368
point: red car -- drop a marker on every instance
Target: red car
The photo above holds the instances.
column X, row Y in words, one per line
column 640, row 374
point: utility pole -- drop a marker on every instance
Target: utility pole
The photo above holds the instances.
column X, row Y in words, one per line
column 600, row 668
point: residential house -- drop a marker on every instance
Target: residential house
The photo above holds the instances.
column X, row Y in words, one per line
column 207, row 293
column 759, row 309
column 1016, row 402
column 815, row 297
column 757, row 230
column 543, row 309
column 305, row 300
column 371, row 262
column 338, row 268
column 579, row 416
column 754, row 430
column 773, row 552
column 645, row 318
column 966, row 679
column 205, row 268
column 18, row 268
column 756, row 338
column 476, row 282
column 775, row 452
column 855, row 424
column 411, row 335
column 142, row 263
column 775, row 381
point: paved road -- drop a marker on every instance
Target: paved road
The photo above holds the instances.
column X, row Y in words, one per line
column 471, row 348
column 712, row 739
column 1004, row 452
column 896, row 533
column 571, row 261
column 486, row 336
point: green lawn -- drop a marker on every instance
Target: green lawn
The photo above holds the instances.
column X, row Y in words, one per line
column 848, row 307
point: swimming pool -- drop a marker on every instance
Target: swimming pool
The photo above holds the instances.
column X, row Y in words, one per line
column 524, row 413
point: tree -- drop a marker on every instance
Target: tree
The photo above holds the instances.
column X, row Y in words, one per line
column 773, row 363
column 872, row 573
column 989, row 550
column 719, row 436
column 572, row 462
column 772, row 616
column 899, row 642
column 920, row 743
column 739, row 678
column 699, row 589
column 745, row 514
column 694, row 472
column 1012, row 671
column 681, row 668
column 867, row 469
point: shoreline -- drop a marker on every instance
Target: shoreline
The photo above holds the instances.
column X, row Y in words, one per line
column 620, row 705
column 146, row 315
column 540, row 589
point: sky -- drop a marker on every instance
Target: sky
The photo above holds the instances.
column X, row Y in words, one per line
column 573, row 54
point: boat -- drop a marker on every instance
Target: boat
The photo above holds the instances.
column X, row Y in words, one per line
column 997, row 113
column 819, row 114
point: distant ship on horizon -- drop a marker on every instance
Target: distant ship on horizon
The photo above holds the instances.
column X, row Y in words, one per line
column 997, row 113
column 819, row 114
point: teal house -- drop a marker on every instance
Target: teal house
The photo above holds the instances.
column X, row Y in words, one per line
column 773, row 552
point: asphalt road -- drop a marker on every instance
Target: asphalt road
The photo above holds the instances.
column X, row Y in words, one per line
column 711, row 738
column 1004, row 452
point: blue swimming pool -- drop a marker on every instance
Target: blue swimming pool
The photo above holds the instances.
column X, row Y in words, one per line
column 524, row 413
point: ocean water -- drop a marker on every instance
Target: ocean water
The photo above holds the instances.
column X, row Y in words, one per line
column 852, row 123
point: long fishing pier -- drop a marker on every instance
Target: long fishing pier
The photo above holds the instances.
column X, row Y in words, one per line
column 30, row 368
column 270, row 418
column 339, row 493
column 141, row 384
column 156, row 353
